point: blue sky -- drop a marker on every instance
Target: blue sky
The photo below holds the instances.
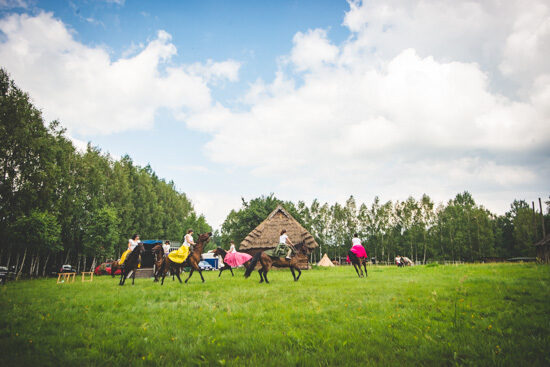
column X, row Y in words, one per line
column 305, row 99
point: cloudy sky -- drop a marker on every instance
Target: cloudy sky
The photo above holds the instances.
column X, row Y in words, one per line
column 305, row 99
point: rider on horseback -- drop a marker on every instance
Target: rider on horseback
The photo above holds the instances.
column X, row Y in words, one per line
column 132, row 243
column 284, row 240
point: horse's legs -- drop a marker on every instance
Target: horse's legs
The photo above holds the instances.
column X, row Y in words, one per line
column 200, row 273
column 299, row 273
column 293, row 274
column 355, row 266
column 178, row 275
column 231, row 270
column 365, row 266
column 221, row 269
column 261, row 276
column 162, row 281
column 190, row 273
column 133, row 276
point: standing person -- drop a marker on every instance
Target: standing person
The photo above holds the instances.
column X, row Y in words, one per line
column 166, row 247
column 232, row 248
column 188, row 239
column 284, row 240
column 132, row 243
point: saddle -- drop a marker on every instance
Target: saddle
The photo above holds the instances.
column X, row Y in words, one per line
column 279, row 251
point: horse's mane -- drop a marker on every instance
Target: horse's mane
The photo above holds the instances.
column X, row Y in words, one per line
column 222, row 252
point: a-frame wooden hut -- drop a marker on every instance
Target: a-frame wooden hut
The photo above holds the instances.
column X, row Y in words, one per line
column 266, row 235
column 543, row 249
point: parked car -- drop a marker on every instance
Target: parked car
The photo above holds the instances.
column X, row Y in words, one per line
column 67, row 269
column 105, row 269
column 203, row 265
column 3, row 274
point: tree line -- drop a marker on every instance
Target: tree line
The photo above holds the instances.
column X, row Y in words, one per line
column 459, row 230
column 62, row 206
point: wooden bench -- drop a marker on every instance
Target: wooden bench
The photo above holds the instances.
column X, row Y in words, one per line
column 66, row 277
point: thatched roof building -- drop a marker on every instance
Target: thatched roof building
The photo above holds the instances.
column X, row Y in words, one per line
column 266, row 235
column 543, row 249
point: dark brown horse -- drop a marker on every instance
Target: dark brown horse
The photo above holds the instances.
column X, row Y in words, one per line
column 192, row 261
column 158, row 251
column 221, row 252
column 131, row 264
column 357, row 262
column 267, row 262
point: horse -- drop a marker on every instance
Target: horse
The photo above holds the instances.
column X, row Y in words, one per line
column 221, row 252
column 158, row 251
column 267, row 262
column 130, row 264
column 192, row 260
column 357, row 262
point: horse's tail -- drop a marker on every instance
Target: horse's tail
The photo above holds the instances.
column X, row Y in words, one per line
column 353, row 257
column 252, row 264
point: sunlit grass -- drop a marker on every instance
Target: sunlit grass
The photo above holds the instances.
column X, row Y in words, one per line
column 442, row 315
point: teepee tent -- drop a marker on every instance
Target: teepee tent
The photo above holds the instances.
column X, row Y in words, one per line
column 266, row 235
column 325, row 261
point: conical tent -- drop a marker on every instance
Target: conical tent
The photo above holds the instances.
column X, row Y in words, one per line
column 325, row 261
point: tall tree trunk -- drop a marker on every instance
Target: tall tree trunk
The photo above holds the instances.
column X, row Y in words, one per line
column 9, row 258
column 424, row 260
column 78, row 258
column 37, row 266
column 93, row 265
column 45, row 265
column 84, row 265
column 67, row 257
column 17, row 262
column 22, row 264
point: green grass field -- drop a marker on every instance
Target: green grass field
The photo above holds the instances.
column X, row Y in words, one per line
column 440, row 315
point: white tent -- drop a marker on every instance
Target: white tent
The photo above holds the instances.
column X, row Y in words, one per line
column 325, row 261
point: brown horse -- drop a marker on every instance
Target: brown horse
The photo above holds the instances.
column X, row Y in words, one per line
column 221, row 252
column 158, row 251
column 130, row 264
column 357, row 262
column 192, row 261
column 267, row 262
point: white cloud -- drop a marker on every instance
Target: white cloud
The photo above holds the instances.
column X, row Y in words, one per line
column 312, row 50
column 411, row 103
column 92, row 93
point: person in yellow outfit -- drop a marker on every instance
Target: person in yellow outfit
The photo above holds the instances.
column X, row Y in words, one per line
column 180, row 255
column 132, row 243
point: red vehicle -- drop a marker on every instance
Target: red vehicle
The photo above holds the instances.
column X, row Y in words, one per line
column 105, row 269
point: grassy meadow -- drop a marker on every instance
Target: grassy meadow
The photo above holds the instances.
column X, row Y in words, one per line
column 426, row 315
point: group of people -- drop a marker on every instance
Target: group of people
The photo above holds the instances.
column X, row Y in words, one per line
column 403, row 261
column 285, row 247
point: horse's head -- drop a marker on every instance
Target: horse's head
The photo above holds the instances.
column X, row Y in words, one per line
column 139, row 248
column 301, row 248
column 205, row 237
column 219, row 252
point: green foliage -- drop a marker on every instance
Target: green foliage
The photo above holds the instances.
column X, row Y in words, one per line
column 482, row 315
column 39, row 230
column 87, row 204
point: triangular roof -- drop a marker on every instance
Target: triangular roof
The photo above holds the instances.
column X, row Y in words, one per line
column 266, row 234
column 325, row 261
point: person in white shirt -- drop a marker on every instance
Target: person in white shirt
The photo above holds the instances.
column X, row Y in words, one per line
column 232, row 248
column 188, row 239
column 166, row 248
column 133, row 242
column 283, row 239
column 355, row 240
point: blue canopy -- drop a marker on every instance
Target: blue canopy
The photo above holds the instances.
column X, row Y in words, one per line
column 151, row 242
